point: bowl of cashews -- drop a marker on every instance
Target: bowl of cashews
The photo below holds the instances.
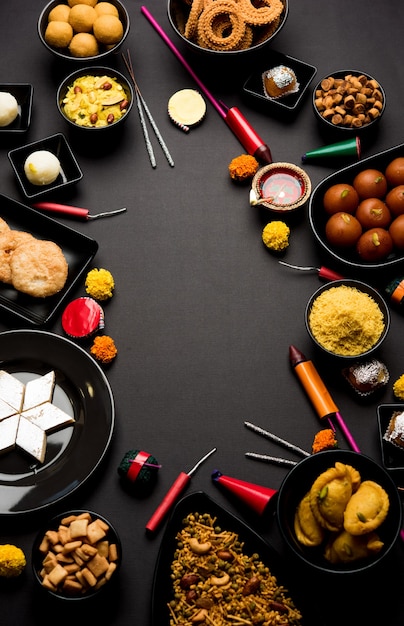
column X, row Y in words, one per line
column 226, row 27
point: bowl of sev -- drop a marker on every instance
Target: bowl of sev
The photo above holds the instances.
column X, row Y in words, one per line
column 227, row 27
column 347, row 319
column 76, row 555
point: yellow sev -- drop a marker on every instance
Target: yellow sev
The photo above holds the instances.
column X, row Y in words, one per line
column 346, row 321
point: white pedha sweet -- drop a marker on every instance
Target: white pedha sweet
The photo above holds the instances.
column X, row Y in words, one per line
column 27, row 414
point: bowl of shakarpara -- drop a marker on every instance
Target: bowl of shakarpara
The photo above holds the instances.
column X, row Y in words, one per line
column 339, row 512
column 83, row 30
column 225, row 27
column 348, row 101
column 76, row 555
column 95, row 98
column 347, row 319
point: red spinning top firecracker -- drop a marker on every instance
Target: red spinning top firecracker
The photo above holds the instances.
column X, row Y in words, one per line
column 255, row 496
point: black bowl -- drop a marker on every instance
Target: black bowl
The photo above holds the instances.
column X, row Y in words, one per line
column 298, row 482
column 38, row 556
column 178, row 12
column 63, row 53
column 364, row 288
column 23, row 93
column 318, row 217
column 342, row 127
column 70, row 171
column 95, row 71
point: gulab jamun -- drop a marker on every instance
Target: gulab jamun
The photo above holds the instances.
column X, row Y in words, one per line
column 340, row 197
column 343, row 230
column 395, row 200
column 396, row 231
column 370, row 183
column 394, row 172
column 373, row 213
column 374, row 244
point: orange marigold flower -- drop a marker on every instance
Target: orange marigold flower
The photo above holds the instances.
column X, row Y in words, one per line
column 324, row 440
column 104, row 349
column 243, row 168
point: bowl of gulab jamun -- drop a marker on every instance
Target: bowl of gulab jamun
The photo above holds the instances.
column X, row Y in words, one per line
column 357, row 213
column 348, row 102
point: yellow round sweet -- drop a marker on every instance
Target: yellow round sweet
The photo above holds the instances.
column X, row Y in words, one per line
column 82, row 18
column 83, row 45
column 108, row 29
column 59, row 13
column 58, row 34
column 91, row 3
column 106, row 8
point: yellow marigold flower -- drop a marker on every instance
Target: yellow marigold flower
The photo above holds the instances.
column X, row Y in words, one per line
column 276, row 235
column 243, row 168
column 398, row 388
column 12, row 561
column 100, row 284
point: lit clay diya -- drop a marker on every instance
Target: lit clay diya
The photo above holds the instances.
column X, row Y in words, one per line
column 280, row 187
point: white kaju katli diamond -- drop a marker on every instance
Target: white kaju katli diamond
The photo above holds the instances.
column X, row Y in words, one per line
column 27, row 414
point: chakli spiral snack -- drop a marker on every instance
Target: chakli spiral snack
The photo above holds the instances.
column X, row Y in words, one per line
column 229, row 24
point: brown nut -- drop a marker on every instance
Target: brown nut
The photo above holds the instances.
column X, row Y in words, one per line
column 78, row 89
column 124, row 105
column 188, row 580
column 93, row 118
column 251, row 585
column 110, row 118
column 106, row 86
column 225, row 555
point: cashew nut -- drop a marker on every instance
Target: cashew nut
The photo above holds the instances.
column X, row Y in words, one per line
column 200, row 616
column 220, row 581
column 199, row 548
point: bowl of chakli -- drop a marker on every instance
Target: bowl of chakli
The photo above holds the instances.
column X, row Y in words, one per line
column 347, row 319
column 227, row 27
column 83, row 30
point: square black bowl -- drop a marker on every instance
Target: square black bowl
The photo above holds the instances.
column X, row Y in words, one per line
column 70, row 171
column 392, row 456
column 253, row 87
column 23, row 93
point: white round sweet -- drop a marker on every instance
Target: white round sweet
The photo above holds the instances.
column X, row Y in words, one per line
column 8, row 108
column 42, row 167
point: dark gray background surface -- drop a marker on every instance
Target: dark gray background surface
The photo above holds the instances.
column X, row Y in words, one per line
column 203, row 315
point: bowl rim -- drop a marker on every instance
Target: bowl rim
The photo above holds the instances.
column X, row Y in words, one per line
column 226, row 53
column 345, row 129
column 361, row 286
column 50, row 525
column 97, row 70
column 345, row 456
column 66, row 56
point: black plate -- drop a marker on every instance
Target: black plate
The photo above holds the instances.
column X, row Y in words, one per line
column 253, row 543
column 23, row 93
column 78, row 249
column 73, row 453
column 70, row 171
column 392, row 456
column 318, row 217
column 305, row 73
